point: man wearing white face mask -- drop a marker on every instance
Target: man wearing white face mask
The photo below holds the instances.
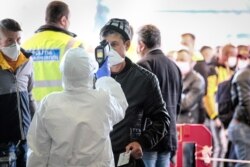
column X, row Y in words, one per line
column 223, row 67
column 193, row 89
column 12, row 51
column 16, row 82
column 243, row 56
column 142, row 92
column 239, row 127
column 114, row 57
column 191, row 99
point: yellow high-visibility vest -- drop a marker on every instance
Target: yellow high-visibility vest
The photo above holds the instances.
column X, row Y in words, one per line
column 47, row 48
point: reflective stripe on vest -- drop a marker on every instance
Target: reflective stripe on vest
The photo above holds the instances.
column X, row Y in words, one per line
column 55, row 83
column 48, row 48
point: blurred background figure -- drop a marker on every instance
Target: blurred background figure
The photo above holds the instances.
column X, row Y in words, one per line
column 188, row 40
column 48, row 45
column 170, row 80
column 220, row 70
column 208, row 54
column 239, row 128
column 101, row 16
column 191, row 99
column 243, row 56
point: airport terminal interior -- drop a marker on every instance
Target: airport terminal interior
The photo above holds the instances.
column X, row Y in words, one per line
column 130, row 83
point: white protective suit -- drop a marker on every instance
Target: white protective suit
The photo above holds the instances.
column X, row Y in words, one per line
column 71, row 128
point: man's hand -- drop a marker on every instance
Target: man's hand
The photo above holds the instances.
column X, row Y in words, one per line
column 104, row 70
column 218, row 123
column 135, row 148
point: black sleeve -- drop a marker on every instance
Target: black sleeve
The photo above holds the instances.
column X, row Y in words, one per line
column 202, row 69
column 154, row 109
column 243, row 96
column 178, row 109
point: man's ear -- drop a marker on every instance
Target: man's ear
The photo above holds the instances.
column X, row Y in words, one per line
column 64, row 21
column 127, row 44
column 141, row 45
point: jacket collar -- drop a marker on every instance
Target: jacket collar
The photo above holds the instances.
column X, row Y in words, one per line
column 153, row 52
column 47, row 27
column 187, row 76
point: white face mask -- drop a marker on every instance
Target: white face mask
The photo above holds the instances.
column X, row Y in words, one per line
column 11, row 51
column 232, row 61
column 185, row 67
column 242, row 63
column 114, row 57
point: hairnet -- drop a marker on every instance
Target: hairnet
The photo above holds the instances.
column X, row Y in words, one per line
column 78, row 68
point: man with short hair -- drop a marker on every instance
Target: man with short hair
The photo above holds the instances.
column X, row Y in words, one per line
column 188, row 40
column 169, row 76
column 223, row 70
column 239, row 127
column 47, row 46
column 142, row 92
column 207, row 53
column 191, row 100
column 17, row 105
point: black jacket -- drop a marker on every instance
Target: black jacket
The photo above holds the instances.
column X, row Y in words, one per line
column 142, row 92
column 202, row 68
column 170, row 80
column 240, row 95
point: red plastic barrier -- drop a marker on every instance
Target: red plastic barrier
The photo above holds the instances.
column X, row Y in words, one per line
column 192, row 133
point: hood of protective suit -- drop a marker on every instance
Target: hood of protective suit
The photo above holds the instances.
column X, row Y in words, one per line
column 78, row 69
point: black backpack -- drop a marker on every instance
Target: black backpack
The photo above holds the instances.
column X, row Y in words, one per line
column 225, row 104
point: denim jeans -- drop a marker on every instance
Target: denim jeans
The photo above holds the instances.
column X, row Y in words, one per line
column 239, row 134
column 13, row 154
column 220, row 143
column 188, row 155
column 155, row 159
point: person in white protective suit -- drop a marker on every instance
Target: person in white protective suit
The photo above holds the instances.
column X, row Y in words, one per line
column 71, row 128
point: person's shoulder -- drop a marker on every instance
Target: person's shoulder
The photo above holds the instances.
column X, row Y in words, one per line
column 142, row 73
column 242, row 75
column 211, row 69
column 197, row 76
column 51, row 98
column 49, row 101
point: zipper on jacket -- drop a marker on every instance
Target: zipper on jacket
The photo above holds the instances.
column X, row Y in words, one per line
column 18, row 107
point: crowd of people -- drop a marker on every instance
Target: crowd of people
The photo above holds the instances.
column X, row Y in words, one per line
column 60, row 108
